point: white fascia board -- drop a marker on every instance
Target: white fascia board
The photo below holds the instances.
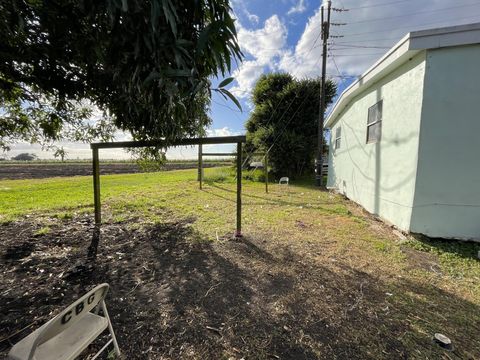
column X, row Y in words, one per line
column 445, row 37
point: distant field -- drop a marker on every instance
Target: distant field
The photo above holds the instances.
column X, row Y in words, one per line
column 16, row 170
column 103, row 161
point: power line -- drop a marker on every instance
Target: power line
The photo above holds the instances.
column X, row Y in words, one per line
column 336, row 66
column 379, row 4
column 381, row 19
column 298, row 109
column 375, row 5
column 226, row 106
column 338, row 70
column 243, row 91
column 278, row 49
column 320, row 134
column 325, row 36
column 264, row 127
column 291, row 118
column 410, row 26
column 291, row 103
column 286, row 123
column 351, row 46
column 368, row 40
column 342, row 76
column 412, row 14
column 332, row 55
column 367, row 54
column 347, row 45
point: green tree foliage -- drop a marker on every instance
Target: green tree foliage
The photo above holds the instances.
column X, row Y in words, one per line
column 145, row 64
column 60, row 153
column 284, row 120
column 25, row 157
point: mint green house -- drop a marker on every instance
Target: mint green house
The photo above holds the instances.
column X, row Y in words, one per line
column 405, row 137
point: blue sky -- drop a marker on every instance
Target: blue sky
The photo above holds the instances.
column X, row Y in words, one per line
column 283, row 35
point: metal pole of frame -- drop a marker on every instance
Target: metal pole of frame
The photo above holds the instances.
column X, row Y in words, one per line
column 96, row 187
column 200, row 165
column 238, row 232
column 266, row 172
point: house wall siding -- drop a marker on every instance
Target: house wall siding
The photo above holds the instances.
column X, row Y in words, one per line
column 447, row 195
column 381, row 176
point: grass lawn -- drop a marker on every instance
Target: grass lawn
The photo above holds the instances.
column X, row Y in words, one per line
column 314, row 276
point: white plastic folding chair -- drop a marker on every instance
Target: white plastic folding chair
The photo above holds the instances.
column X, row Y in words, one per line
column 284, row 180
column 69, row 333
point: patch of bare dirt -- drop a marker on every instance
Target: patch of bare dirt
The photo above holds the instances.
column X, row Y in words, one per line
column 421, row 260
column 175, row 296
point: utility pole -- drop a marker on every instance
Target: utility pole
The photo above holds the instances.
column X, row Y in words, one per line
column 325, row 35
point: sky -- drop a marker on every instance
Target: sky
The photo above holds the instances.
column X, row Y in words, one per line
column 284, row 35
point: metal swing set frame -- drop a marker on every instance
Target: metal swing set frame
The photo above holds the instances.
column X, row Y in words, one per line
column 239, row 140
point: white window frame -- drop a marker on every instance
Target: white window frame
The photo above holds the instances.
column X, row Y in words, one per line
column 377, row 121
column 338, row 138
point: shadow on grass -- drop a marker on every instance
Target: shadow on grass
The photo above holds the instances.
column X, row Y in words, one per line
column 175, row 295
column 266, row 200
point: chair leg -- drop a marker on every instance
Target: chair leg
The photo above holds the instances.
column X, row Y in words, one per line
column 110, row 329
column 102, row 349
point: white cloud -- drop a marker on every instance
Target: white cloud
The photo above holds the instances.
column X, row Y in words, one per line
column 263, row 46
column 370, row 31
column 240, row 5
column 82, row 151
column 298, row 8
column 121, row 135
column 74, row 150
column 303, row 61
column 221, row 148
column 246, row 75
column 254, row 19
column 225, row 131
column 265, row 43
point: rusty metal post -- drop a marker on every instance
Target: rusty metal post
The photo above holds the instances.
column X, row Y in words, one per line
column 96, row 187
column 266, row 172
column 238, row 232
column 200, row 165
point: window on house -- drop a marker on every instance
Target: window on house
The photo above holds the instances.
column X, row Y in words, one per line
column 338, row 135
column 374, row 123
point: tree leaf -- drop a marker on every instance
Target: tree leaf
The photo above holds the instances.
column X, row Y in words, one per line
column 233, row 98
column 225, row 82
column 151, row 77
column 202, row 39
column 139, row 60
column 178, row 73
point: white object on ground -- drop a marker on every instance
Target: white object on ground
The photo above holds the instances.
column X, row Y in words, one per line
column 284, row 180
column 443, row 341
column 69, row 333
